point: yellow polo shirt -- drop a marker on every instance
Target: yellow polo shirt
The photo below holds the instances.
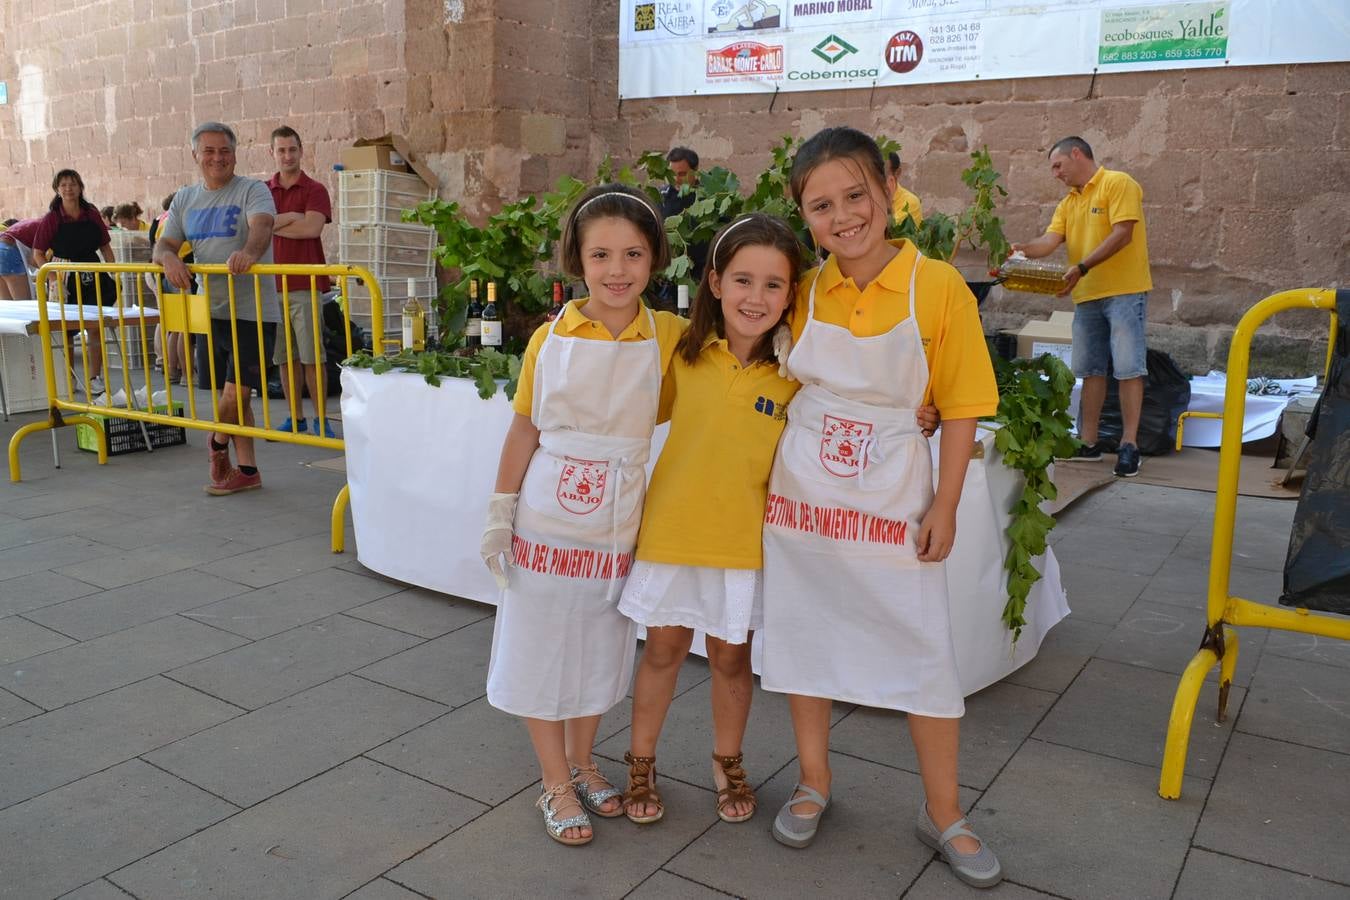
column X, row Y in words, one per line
column 1085, row 217
column 574, row 323
column 905, row 203
column 960, row 375
column 705, row 504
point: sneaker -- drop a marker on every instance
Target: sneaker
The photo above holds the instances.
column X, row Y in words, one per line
column 302, row 427
column 1085, row 453
column 234, row 482
column 1127, row 461
column 220, row 463
column 327, row 428
column 95, row 384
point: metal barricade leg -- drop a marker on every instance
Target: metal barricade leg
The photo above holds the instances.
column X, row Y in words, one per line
column 1179, row 725
column 339, row 508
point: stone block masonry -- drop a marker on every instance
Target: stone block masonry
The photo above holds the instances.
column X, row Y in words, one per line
column 1244, row 170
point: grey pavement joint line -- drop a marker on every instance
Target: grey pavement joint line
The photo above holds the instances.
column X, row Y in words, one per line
column 488, row 807
column 204, row 790
column 386, row 877
column 682, row 878
column 402, row 690
column 48, row 627
column 1266, row 865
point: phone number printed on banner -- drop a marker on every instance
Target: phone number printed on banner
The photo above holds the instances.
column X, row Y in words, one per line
column 954, row 48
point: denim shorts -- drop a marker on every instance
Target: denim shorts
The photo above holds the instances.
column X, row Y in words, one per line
column 11, row 260
column 1108, row 335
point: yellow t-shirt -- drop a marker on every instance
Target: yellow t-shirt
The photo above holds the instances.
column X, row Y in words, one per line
column 1085, row 217
column 905, row 198
column 574, row 323
column 705, row 504
column 960, row 375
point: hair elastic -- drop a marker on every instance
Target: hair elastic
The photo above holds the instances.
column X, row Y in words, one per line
column 725, row 231
column 643, row 203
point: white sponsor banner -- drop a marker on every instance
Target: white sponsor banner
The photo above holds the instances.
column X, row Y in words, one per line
column 685, row 47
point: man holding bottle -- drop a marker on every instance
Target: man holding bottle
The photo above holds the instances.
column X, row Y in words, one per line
column 303, row 209
column 1102, row 221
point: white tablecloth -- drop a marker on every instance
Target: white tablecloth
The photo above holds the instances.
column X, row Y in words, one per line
column 421, row 462
column 21, row 316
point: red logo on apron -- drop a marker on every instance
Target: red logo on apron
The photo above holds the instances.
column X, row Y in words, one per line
column 581, row 486
column 841, row 446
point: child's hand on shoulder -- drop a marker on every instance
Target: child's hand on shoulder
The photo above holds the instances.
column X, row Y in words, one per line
column 937, row 533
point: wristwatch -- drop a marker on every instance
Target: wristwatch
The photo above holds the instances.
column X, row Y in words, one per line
column 1082, row 269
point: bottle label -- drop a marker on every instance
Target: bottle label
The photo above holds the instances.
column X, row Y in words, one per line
column 474, row 328
column 408, row 332
column 492, row 334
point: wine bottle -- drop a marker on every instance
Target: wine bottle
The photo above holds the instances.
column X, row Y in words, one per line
column 473, row 324
column 492, row 319
column 682, row 300
column 557, row 301
column 414, row 321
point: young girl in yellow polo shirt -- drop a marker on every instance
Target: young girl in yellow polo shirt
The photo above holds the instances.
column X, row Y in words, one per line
column 699, row 550
column 564, row 519
column 855, row 596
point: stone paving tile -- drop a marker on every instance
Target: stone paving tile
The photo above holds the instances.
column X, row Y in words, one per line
column 277, row 562
column 1310, row 647
column 51, row 554
column 132, row 566
column 1122, row 711
column 16, row 532
column 1165, row 637
column 273, row 529
column 469, row 863
column 1076, row 824
column 275, row 667
column 383, row 889
column 663, row 885
column 1099, row 595
column 1062, row 655
column 1152, row 508
column 451, row 669
column 20, row 639
column 95, row 615
column 83, row 670
column 97, row 890
column 14, row 709
column 1279, row 803
column 29, row 592
column 1302, row 702
column 248, row 759
column 421, row 612
column 58, row 747
column 475, row 750
column 865, row 847
column 938, row 883
column 1260, row 535
column 997, row 721
column 1211, row 876
column 279, row 607
column 1131, row 552
column 62, row 499
column 68, row 836
column 322, row 838
column 1183, row 582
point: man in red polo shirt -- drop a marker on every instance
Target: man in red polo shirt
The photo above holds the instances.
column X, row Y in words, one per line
column 303, row 208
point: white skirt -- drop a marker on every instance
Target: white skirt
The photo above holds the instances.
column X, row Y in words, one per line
column 725, row 603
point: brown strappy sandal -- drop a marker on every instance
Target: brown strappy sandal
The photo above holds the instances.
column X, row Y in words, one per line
column 641, row 789
column 737, row 790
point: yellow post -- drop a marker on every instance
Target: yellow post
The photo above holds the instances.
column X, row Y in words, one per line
column 339, row 508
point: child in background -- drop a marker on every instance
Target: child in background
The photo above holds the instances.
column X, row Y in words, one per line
column 858, row 611
column 564, row 519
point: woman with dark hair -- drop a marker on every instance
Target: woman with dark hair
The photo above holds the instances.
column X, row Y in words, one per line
column 74, row 230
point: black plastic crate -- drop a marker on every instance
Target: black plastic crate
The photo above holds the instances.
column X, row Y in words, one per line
column 124, row 435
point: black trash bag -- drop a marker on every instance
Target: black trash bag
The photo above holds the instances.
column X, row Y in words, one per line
column 1167, row 393
column 1317, row 568
column 335, row 347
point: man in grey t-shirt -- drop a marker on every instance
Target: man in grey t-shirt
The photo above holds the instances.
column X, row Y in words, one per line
column 228, row 219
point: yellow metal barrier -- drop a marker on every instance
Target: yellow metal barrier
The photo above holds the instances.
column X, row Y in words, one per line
column 131, row 321
column 1220, row 642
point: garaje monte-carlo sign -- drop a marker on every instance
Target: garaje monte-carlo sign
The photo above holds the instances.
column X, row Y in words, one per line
column 685, row 47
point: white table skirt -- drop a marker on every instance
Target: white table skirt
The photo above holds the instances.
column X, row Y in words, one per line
column 421, row 462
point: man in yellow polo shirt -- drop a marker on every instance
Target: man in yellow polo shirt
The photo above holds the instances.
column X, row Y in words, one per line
column 1102, row 221
column 904, row 202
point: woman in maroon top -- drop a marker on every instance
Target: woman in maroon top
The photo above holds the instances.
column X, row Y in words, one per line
column 74, row 230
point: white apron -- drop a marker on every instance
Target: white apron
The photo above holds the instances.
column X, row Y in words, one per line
column 850, row 613
column 560, row 647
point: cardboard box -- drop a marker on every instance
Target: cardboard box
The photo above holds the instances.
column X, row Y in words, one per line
column 390, row 152
column 1054, row 336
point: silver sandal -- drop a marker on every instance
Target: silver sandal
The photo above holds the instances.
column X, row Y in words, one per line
column 555, row 826
column 583, row 777
column 799, row 831
column 980, row 869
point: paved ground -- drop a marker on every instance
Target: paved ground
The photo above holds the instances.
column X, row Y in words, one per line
column 197, row 698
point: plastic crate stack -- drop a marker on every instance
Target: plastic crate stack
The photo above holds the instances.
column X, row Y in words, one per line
column 372, row 234
column 130, row 247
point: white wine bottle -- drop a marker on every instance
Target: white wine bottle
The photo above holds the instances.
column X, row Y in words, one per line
column 492, row 318
column 414, row 321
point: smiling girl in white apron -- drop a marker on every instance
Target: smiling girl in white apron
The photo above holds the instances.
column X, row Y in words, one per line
column 855, row 602
column 563, row 523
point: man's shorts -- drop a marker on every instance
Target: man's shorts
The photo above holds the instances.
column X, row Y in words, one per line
column 11, row 259
column 302, row 330
column 1109, row 334
column 251, row 355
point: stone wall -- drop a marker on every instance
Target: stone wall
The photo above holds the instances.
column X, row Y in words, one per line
column 1246, row 172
